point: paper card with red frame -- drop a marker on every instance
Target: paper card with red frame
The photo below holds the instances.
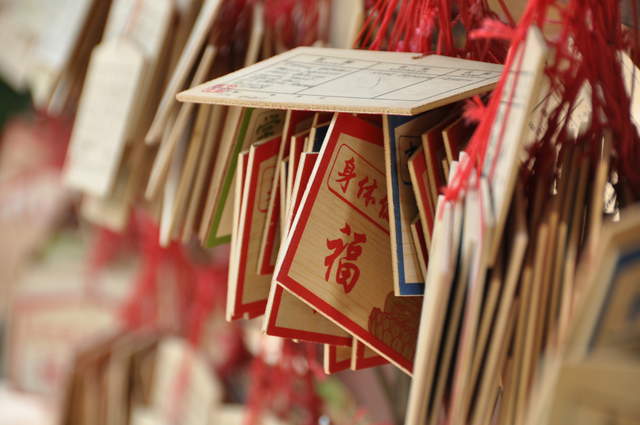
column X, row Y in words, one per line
column 252, row 289
column 294, row 123
column 337, row 254
column 286, row 315
column 363, row 357
column 336, row 358
column 401, row 139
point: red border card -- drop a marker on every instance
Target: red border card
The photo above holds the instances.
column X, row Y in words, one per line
column 336, row 359
column 295, row 122
column 422, row 191
column 362, row 357
column 252, row 289
column 368, row 310
column 302, row 322
column 287, row 315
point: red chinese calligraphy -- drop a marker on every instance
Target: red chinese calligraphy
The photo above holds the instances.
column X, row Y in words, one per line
column 384, row 209
column 348, row 173
column 366, row 191
column 348, row 272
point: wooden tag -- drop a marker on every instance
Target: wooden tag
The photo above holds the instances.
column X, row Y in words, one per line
column 499, row 333
column 420, row 243
column 341, row 238
column 144, row 22
column 252, row 289
column 455, row 137
column 234, row 255
column 256, row 34
column 478, row 224
column 176, row 133
column 170, row 190
column 189, row 168
column 66, row 89
column 307, row 163
column 346, row 20
column 114, row 210
column 443, row 267
column 336, row 358
column 296, row 147
column 402, row 139
column 108, row 102
column 363, row 357
column 197, row 38
column 631, row 75
column 609, row 317
column 502, row 158
column 39, row 41
column 254, row 125
column 227, row 136
column 85, row 395
column 203, row 174
column 289, row 317
column 284, row 202
column 436, row 157
column 294, row 123
column 344, row 80
column 117, row 375
column 425, row 201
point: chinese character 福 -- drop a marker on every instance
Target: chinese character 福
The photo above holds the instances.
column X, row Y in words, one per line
column 347, row 273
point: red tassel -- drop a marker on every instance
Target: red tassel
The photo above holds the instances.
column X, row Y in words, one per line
column 426, row 26
column 586, row 53
column 474, row 110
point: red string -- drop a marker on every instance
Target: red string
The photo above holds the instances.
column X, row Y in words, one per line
column 287, row 387
column 296, row 22
column 427, row 26
column 586, row 53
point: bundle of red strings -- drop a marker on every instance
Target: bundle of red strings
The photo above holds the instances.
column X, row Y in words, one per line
column 296, row 22
column 586, row 40
column 431, row 26
column 287, row 387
